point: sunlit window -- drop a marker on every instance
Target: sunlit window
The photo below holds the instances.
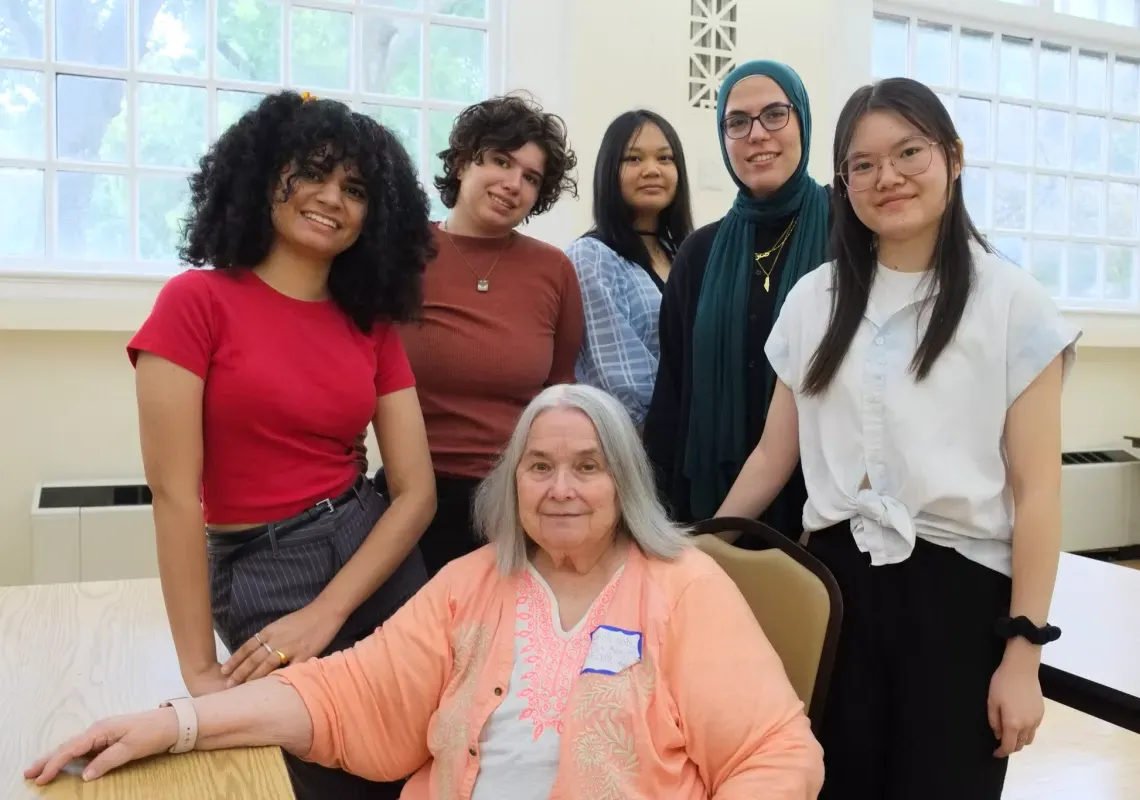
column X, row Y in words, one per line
column 98, row 132
column 1052, row 137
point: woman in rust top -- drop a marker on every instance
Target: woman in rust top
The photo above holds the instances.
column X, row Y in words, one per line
column 502, row 314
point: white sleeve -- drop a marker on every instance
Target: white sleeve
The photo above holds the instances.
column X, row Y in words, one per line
column 785, row 348
column 1037, row 332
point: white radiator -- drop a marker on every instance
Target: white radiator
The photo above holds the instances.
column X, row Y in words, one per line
column 92, row 531
column 1100, row 500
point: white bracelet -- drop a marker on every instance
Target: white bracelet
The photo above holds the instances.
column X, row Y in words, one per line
column 187, row 723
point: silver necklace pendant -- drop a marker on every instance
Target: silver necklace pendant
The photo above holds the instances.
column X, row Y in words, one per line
column 483, row 285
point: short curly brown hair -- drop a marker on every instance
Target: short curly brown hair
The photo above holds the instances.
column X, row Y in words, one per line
column 507, row 123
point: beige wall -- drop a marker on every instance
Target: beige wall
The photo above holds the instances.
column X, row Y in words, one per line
column 1102, row 398
column 66, row 396
column 66, row 411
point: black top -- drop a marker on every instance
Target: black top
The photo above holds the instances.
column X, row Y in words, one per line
column 667, row 420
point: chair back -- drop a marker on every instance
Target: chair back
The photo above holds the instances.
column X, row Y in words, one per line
column 792, row 594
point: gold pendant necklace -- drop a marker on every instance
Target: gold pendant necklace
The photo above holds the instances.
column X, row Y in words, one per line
column 768, row 272
column 777, row 248
column 482, row 283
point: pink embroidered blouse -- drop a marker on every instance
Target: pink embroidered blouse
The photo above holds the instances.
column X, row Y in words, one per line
column 705, row 711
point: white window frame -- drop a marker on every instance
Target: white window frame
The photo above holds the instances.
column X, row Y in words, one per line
column 1102, row 9
column 1037, row 23
column 1058, row 5
column 30, row 277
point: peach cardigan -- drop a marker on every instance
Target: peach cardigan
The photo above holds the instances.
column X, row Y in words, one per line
column 707, row 712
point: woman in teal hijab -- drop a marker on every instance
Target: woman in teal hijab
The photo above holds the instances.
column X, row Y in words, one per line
column 728, row 282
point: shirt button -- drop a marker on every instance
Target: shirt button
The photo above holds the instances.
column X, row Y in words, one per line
column 879, row 340
column 752, row 365
column 498, row 691
column 472, row 751
column 757, row 272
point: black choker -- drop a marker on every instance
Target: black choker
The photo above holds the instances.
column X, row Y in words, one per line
column 645, row 233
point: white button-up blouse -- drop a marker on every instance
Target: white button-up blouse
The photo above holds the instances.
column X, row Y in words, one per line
column 930, row 451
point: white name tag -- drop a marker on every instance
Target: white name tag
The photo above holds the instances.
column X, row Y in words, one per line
column 612, row 650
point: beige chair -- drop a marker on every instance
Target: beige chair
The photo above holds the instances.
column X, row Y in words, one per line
column 793, row 595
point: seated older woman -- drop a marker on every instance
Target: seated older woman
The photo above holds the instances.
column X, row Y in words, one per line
column 589, row 652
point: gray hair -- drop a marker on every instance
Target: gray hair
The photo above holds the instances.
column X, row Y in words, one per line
column 496, row 505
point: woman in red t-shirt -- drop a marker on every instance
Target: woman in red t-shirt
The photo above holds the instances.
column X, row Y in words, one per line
column 253, row 381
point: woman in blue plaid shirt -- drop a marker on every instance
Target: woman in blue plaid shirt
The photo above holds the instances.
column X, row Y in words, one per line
column 641, row 215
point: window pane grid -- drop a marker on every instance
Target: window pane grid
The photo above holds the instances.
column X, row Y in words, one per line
column 1052, row 140
column 160, row 97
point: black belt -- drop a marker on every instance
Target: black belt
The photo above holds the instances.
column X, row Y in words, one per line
column 326, row 506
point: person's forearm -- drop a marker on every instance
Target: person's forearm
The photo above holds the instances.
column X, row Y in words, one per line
column 180, row 533
column 386, row 547
column 1036, row 551
column 757, row 485
column 265, row 712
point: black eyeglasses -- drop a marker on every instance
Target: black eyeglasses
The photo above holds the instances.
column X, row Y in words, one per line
column 738, row 125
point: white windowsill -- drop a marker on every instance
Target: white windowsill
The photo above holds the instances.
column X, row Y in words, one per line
column 69, row 302
column 1021, row 19
column 120, row 304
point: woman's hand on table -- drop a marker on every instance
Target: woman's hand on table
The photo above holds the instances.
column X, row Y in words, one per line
column 114, row 742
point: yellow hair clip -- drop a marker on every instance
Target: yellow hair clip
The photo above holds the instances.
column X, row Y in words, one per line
column 307, row 96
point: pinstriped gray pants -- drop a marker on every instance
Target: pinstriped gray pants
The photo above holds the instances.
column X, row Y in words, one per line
column 253, row 583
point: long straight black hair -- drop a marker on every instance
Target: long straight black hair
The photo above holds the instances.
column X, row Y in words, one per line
column 613, row 217
column 855, row 248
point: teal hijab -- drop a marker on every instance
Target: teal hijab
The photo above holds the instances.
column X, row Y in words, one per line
column 717, row 444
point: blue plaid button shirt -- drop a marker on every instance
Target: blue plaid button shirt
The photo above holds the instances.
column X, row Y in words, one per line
column 620, row 349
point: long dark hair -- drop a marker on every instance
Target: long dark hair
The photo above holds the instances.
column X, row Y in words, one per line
column 613, row 218
column 855, row 248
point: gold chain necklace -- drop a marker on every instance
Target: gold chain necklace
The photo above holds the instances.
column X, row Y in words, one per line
column 777, row 248
column 482, row 283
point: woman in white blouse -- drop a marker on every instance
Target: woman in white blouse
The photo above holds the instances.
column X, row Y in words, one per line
column 641, row 216
column 923, row 374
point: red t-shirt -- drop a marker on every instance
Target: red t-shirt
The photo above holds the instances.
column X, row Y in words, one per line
column 289, row 385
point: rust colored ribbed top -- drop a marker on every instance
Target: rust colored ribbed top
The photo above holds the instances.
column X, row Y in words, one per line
column 480, row 357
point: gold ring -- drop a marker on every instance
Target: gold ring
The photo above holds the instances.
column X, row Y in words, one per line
column 281, row 656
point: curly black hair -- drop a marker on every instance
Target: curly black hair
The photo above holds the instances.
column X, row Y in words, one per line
column 379, row 278
column 507, row 123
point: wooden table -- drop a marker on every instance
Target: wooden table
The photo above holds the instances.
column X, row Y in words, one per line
column 1095, row 666
column 73, row 653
